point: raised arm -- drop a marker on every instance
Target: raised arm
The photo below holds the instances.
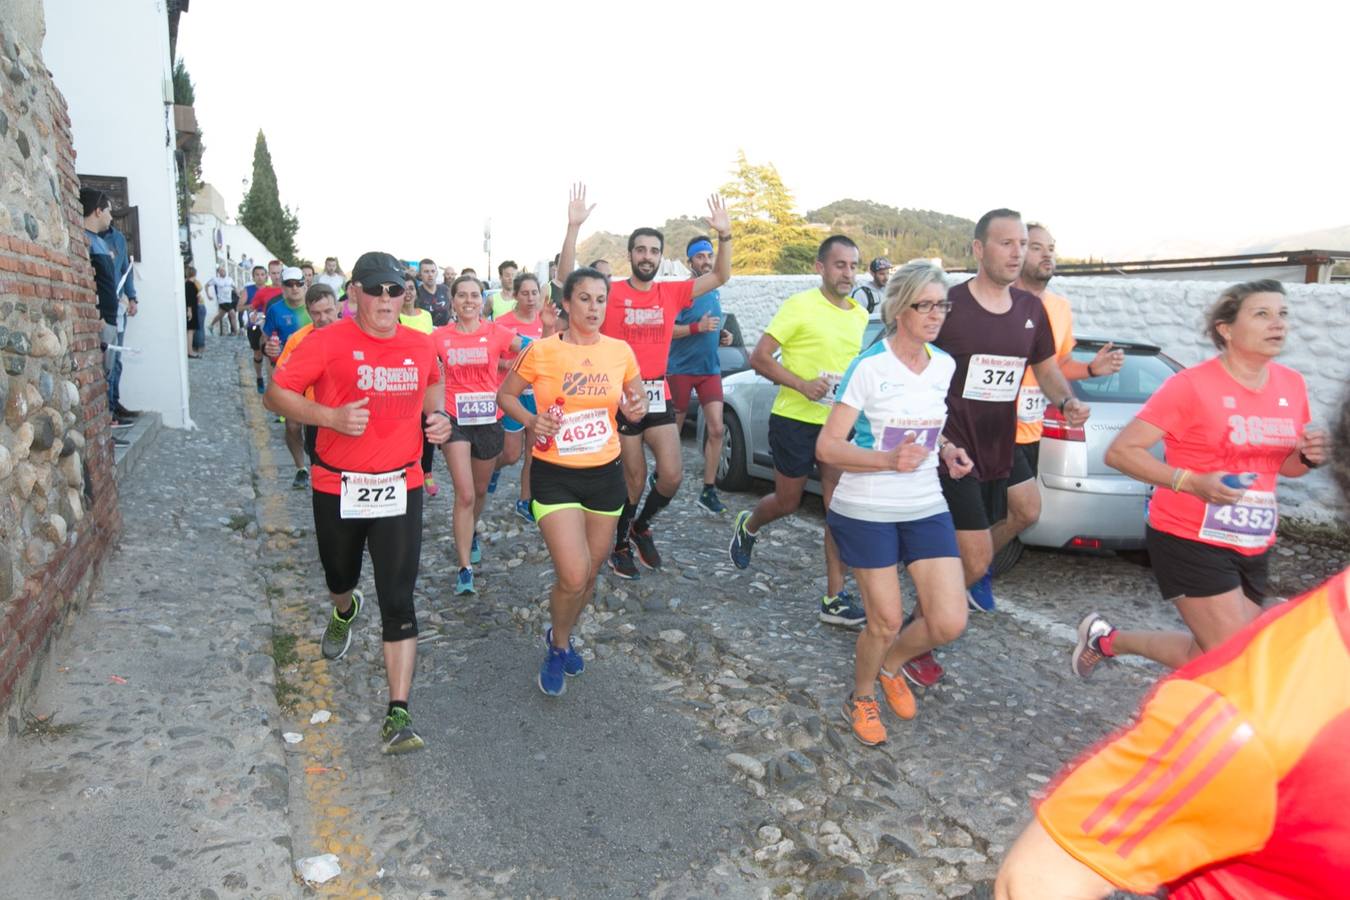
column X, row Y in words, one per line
column 720, row 222
column 577, row 213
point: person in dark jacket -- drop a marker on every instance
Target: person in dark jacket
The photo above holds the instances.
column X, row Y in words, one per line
column 97, row 210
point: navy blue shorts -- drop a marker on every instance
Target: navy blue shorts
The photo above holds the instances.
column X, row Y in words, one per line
column 793, row 445
column 878, row 545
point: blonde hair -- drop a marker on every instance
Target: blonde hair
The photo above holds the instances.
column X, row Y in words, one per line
column 905, row 285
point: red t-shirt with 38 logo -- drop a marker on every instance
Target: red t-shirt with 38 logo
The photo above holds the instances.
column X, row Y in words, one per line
column 646, row 319
column 1211, row 423
column 343, row 364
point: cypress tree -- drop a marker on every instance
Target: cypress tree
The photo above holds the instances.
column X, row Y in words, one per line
column 262, row 213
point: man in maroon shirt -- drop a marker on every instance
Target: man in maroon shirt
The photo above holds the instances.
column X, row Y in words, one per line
column 993, row 332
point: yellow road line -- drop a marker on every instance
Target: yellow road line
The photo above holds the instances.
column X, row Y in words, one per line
column 333, row 827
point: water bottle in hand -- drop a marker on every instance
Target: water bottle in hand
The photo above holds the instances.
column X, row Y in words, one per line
column 555, row 412
column 1239, row 481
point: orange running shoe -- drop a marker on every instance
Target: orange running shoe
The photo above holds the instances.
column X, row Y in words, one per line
column 864, row 716
column 898, row 695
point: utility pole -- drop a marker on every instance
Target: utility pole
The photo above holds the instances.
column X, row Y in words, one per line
column 487, row 248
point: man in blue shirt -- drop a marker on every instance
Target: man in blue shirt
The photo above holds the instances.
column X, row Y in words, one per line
column 694, row 366
column 287, row 314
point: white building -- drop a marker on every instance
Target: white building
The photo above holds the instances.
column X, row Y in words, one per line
column 214, row 242
column 112, row 63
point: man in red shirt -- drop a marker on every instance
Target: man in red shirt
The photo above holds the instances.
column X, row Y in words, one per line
column 642, row 312
column 1231, row 784
column 377, row 393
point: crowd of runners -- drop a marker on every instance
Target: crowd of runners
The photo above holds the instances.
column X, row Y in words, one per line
column 925, row 443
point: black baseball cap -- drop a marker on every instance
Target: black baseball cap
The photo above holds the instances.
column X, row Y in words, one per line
column 374, row 268
column 879, row 264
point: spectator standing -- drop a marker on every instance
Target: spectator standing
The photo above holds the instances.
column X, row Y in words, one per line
column 192, row 294
column 126, row 306
column 870, row 294
column 97, row 209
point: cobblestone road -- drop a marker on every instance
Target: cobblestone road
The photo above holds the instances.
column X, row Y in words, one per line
column 703, row 752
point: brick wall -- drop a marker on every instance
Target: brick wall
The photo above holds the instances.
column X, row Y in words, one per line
column 58, row 499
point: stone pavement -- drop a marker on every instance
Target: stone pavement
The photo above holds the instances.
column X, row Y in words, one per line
column 703, row 753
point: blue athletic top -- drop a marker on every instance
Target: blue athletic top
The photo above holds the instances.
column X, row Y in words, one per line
column 697, row 353
column 283, row 321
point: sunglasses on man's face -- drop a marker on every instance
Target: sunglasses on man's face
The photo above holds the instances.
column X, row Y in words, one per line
column 293, row 283
column 393, row 290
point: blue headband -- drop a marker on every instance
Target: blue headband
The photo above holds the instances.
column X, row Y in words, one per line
column 699, row 246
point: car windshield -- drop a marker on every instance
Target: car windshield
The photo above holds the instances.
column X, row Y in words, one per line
column 1143, row 373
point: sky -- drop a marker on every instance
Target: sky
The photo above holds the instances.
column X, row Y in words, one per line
column 1127, row 128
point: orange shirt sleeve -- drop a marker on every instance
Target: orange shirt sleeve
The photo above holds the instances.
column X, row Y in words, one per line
column 1160, row 800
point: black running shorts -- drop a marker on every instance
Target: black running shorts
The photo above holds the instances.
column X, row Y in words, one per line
column 1186, row 568
column 975, row 505
column 395, row 544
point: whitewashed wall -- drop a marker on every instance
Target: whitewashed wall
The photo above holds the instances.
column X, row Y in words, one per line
column 1167, row 313
column 111, row 61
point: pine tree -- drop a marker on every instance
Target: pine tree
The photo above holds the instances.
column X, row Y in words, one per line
column 770, row 236
column 262, row 212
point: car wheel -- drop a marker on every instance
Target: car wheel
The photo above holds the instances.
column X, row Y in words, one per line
column 1006, row 558
column 731, row 471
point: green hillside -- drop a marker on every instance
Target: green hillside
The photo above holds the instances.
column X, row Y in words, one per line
column 879, row 230
column 898, row 234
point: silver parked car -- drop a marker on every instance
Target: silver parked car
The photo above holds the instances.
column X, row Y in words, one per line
column 1085, row 504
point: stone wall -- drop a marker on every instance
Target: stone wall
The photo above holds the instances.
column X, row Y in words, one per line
column 1167, row 313
column 58, row 499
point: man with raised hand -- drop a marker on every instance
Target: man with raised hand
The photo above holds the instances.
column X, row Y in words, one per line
column 642, row 311
column 819, row 332
column 378, row 393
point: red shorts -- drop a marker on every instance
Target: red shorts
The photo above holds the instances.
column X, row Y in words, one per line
column 709, row 389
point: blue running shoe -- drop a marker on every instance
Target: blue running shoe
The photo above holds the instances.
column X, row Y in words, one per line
column 843, row 609
column 464, row 584
column 475, row 552
column 551, row 673
column 524, row 511
column 980, row 597
column 573, row 664
column 742, row 541
column 262, row 386
column 492, row 482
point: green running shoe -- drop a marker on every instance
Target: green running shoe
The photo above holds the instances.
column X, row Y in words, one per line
column 337, row 637
column 398, row 735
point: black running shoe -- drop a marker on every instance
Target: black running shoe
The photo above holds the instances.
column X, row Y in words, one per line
column 621, row 561
column 646, row 548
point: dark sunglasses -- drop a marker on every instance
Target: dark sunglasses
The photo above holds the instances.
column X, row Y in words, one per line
column 393, row 290
column 292, row 283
